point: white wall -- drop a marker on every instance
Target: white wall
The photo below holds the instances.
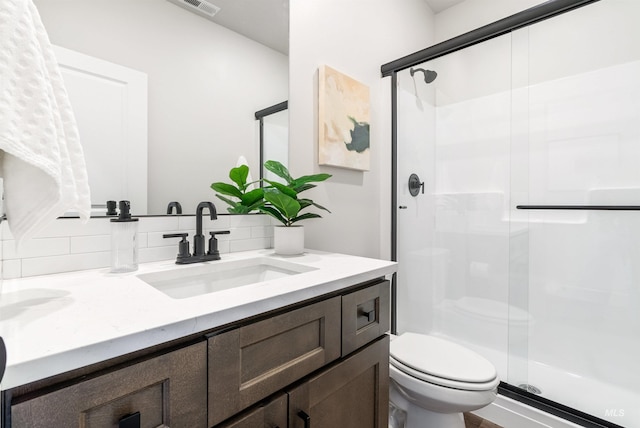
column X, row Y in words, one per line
column 471, row 14
column 355, row 37
column 205, row 83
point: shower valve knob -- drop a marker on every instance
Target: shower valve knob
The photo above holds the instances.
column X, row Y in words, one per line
column 415, row 185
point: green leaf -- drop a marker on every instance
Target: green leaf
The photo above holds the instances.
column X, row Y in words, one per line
column 309, row 178
column 252, row 196
column 284, row 189
column 239, row 209
column 304, row 187
column 227, row 200
column 273, row 213
column 306, row 202
column 286, row 205
column 305, row 216
column 239, row 176
column 278, row 169
column 226, row 189
column 255, row 205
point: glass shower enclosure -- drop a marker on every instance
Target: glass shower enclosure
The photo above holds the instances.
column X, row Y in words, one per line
column 518, row 234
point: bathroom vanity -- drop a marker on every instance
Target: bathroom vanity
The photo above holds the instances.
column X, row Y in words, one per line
column 303, row 346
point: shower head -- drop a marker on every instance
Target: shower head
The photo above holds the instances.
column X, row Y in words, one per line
column 429, row 75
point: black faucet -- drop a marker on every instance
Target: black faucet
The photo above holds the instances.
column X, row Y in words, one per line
column 198, row 239
column 184, row 257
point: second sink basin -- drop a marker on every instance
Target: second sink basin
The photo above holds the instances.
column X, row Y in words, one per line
column 217, row 276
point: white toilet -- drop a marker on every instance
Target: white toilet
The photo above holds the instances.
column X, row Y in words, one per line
column 435, row 380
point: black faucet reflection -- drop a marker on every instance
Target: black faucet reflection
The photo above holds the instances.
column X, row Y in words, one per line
column 198, row 240
column 175, row 205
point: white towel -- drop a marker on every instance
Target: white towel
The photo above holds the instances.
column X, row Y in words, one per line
column 41, row 159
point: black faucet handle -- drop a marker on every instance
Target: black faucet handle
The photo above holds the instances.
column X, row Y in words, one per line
column 183, row 245
column 213, row 243
column 175, row 235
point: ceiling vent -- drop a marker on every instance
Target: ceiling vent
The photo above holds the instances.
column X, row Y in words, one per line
column 202, row 6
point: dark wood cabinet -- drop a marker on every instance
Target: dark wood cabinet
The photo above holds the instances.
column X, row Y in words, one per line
column 167, row 391
column 252, row 362
column 272, row 414
column 365, row 316
column 325, row 361
column 353, row 393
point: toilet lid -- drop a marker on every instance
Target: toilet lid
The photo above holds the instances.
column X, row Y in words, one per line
column 441, row 358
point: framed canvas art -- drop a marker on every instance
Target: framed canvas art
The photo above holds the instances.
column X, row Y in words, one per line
column 343, row 115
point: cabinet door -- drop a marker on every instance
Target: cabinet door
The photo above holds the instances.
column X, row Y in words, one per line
column 353, row 393
column 365, row 316
column 273, row 414
column 250, row 363
column 169, row 390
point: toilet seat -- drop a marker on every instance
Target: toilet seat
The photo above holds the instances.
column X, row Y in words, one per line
column 443, row 363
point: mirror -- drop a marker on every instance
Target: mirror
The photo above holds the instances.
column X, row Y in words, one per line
column 204, row 81
column 274, row 137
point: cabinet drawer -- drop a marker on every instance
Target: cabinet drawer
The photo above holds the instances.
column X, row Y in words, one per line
column 272, row 414
column 249, row 363
column 365, row 316
column 169, row 390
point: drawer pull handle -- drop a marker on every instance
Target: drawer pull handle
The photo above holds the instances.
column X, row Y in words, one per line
column 371, row 315
column 306, row 418
column 130, row 421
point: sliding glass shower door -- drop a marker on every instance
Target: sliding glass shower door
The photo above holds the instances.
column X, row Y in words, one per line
column 511, row 136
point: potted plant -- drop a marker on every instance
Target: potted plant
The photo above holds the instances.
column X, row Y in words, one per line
column 247, row 200
column 283, row 204
column 279, row 200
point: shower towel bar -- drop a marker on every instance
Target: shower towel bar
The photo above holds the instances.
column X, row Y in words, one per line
column 580, row 207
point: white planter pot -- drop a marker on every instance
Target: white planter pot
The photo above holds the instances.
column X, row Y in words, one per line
column 289, row 240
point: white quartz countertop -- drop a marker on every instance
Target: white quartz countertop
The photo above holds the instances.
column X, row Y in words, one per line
column 55, row 323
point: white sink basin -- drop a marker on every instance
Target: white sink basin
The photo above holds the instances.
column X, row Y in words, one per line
column 208, row 278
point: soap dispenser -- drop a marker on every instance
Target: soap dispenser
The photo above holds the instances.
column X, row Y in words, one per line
column 124, row 240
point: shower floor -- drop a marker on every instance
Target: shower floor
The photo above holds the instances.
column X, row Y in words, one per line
column 592, row 396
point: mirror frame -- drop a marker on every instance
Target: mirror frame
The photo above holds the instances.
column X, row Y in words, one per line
column 260, row 115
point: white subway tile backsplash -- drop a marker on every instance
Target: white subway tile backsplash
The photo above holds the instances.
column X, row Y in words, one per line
column 11, row 269
column 153, row 254
column 249, row 220
column 90, row 244
column 249, row 244
column 236, row 233
column 158, row 224
column 74, row 227
column 221, row 223
column 223, row 247
column 65, row 263
column 261, row 231
column 35, row 248
column 69, row 245
column 187, row 222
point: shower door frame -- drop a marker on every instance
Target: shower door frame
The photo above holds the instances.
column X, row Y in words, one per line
column 498, row 28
